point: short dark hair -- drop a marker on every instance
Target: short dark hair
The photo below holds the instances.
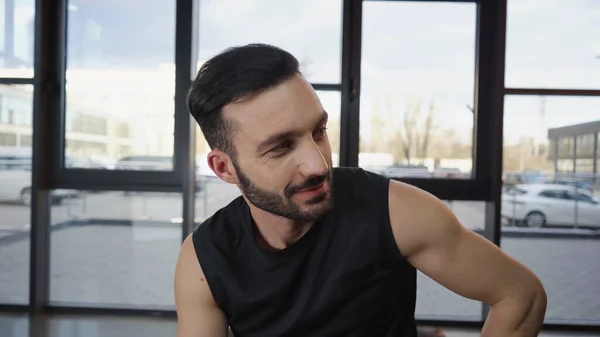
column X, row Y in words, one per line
column 235, row 75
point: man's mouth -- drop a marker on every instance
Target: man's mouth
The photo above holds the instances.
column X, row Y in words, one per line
column 311, row 192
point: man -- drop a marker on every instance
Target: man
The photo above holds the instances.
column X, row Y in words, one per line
column 312, row 250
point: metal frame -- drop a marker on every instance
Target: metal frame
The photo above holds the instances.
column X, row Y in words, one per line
column 480, row 186
column 48, row 136
column 186, row 55
column 326, row 87
column 350, row 94
column 490, row 72
column 550, row 92
column 76, row 310
column 16, row 80
column 50, row 25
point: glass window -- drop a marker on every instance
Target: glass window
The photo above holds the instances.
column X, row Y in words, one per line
column 584, row 166
column 309, row 29
column 566, row 147
column 433, row 300
column 120, row 84
column 115, row 249
column 585, row 197
column 585, row 146
column 561, row 259
column 16, row 37
column 214, row 194
column 551, row 194
column 417, row 73
column 548, row 44
column 15, row 197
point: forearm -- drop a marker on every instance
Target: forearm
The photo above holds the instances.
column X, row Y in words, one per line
column 522, row 317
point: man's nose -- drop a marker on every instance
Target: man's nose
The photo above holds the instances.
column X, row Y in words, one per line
column 312, row 162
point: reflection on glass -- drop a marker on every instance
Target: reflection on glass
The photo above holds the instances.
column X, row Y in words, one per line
column 548, row 44
column 309, row 29
column 120, row 85
column 115, row 249
column 551, row 202
column 16, row 104
column 417, row 89
column 16, row 38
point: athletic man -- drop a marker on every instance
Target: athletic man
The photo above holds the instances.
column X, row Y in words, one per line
column 312, row 250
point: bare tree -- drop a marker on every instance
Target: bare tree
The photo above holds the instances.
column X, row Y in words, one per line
column 405, row 137
column 425, row 132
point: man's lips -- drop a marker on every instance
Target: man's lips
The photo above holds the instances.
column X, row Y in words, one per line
column 312, row 191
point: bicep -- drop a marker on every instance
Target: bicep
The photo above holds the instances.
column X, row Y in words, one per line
column 470, row 266
column 436, row 243
column 197, row 313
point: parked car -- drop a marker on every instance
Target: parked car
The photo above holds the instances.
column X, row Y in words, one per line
column 539, row 205
column 527, row 177
column 15, row 181
column 574, row 183
column 450, row 173
column 145, row 163
column 204, row 175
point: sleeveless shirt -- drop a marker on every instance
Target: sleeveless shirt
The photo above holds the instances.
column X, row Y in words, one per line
column 344, row 277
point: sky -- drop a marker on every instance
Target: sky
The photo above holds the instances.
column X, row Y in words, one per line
column 410, row 50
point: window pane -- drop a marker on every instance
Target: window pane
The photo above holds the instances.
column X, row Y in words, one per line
column 566, row 147
column 585, row 146
column 556, row 237
column 416, row 115
column 548, row 44
column 115, row 249
column 214, row 194
column 17, row 19
column 331, row 101
column 433, row 300
column 16, row 104
column 120, row 90
column 584, row 166
column 309, row 29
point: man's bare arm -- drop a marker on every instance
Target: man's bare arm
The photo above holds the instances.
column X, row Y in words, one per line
column 197, row 313
column 433, row 241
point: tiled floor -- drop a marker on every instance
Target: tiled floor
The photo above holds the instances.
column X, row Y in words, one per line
column 133, row 266
column 68, row 326
column 84, row 326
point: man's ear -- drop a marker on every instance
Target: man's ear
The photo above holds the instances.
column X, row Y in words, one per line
column 222, row 166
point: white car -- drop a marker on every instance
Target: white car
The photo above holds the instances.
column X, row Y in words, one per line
column 539, row 205
column 15, row 181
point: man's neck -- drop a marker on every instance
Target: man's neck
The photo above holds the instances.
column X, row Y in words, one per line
column 275, row 232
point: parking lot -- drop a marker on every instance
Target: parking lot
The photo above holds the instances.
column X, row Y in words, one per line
column 133, row 265
column 167, row 207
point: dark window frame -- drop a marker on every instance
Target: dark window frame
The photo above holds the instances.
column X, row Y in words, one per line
column 48, row 171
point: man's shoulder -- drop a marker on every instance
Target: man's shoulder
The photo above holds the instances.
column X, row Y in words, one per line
column 221, row 230
column 359, row 187
column 357, row 178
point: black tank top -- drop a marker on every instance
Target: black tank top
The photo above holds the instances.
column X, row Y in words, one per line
column 344, row 277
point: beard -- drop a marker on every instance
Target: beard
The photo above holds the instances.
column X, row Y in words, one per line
column 276, row 204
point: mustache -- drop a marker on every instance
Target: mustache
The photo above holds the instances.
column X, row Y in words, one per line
column 311, row 182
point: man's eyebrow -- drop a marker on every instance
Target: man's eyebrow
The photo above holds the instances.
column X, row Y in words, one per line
column 280, row 136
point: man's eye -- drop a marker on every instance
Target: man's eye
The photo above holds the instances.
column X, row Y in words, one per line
column 283, row 146
column 319, row 133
